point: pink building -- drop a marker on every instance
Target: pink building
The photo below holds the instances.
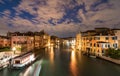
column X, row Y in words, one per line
column 22, row 43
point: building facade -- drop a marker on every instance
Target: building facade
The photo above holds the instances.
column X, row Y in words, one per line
column 78, row 41
column 117, row 33
column 22, row 43
column 29, row 40
column 4, row 41
column 41, row 40
column 97, row 41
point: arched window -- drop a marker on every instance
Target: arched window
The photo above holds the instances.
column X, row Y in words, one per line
column 98, row 51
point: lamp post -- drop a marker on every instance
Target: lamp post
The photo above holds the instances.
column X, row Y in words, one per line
column 11, row 60
column 13, row 49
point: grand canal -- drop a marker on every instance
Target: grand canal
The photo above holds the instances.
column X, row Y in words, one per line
column 64, row 61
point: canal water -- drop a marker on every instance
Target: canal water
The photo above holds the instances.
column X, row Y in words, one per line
column 69, row 62
column 64, row 61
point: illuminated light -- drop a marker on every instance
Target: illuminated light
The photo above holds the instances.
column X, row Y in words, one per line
column 13, row 48
column 73, row 63
column 52, row 44
column 32, row 58
column 52, row 55
column 49, row 45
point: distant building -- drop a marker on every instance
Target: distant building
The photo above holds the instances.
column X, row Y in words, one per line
column 78, row 41
column 4, row 41
column 69, row 42
column 55, row 41
column 41, row 39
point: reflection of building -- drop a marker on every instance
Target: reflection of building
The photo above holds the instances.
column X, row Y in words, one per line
column 4, row 42
column 98, row 40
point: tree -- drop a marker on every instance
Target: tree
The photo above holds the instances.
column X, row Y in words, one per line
column 113, row 53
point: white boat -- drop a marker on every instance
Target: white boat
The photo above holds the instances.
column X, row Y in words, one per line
column 4, row 63
column 23, row 60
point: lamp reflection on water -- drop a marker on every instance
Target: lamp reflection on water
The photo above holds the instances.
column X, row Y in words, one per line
column 73, row 64
column 51, row 55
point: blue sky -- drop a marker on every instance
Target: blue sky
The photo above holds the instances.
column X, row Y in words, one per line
column 58, row 17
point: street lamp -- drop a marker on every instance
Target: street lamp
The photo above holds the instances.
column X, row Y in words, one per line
column 13, row 49
column 11, row 60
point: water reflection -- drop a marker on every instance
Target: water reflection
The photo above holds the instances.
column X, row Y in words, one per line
column 27, row 72
column 73, row 64
column 51, row 55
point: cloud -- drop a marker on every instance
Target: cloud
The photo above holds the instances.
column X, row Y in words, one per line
column 1, row 1
column 107, row 13
column 46, row 14
column 46, row 11
column 6, row 13
column 4, row 28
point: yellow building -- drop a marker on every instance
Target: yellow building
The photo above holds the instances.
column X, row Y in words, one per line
column 78, row 41
column 97, row 41
column 41, row 40
column 55, row 41
column 117, row 33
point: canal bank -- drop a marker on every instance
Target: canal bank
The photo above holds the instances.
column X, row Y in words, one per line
column 111, row 60
column 115, row 61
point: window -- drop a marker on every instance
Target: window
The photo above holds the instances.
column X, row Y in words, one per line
column 106, row 38
column 102, row 46
column 14, row 42
column 115, row 45
column 86, row 38
column 97, row 45
column 90, row 38
column 18, row 42
column 25, row 42
column 90, row 44
column 17, row 61
column 102, row 51
column 108, row 46
column 98, row 38
column 114, row 38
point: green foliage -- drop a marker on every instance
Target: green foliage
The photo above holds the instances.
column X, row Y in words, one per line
column 113, row 53
column 18, row 49
column 5, row 49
